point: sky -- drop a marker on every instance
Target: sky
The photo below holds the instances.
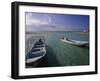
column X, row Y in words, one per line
column 55, row 22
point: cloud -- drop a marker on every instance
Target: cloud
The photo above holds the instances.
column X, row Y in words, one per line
column 32, row 20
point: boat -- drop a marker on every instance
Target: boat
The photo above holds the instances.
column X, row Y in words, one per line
column 75, row 42
column 35, row 55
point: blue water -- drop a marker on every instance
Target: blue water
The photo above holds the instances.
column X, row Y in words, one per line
column 64, row 54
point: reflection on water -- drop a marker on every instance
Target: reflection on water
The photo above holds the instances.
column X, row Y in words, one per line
column 60, row 53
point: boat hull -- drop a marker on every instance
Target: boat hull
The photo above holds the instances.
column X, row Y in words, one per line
column 36, row 54
column 34, row 63
column 76, row 43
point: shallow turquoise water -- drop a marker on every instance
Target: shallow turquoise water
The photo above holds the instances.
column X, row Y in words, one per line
column 64, row 54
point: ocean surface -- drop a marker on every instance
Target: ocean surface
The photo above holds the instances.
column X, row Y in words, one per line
column 60, row 53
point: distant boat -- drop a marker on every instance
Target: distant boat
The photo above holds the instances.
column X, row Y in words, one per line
column 36, row 54
column 75, row 42
column 86, row 31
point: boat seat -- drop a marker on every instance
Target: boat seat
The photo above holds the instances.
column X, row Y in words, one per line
column 30, row 55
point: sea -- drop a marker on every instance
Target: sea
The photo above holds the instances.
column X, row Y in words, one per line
column 59, row 53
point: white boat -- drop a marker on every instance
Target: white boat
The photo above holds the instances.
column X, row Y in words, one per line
column 37, row 52
column 75, row 42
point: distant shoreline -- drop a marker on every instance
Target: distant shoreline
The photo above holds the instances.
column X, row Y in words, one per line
column 54, row 31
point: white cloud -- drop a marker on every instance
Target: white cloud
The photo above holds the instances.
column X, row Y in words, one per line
column 30, row 20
